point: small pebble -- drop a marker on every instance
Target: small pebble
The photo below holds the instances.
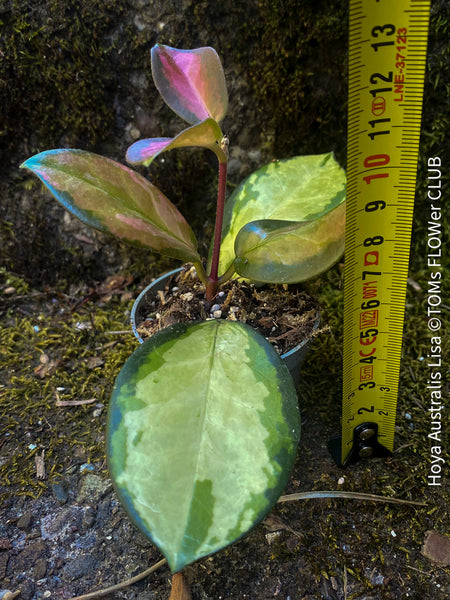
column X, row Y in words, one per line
column 24, row 522
column 378, row 579
column 187, row 296
column 134, row 133
column 98, row 411
column 87, row 467
column 89, row 518
column 272, row 536
column 215, row 307
column 217, row 314
column 61, row 492
column 436, row 547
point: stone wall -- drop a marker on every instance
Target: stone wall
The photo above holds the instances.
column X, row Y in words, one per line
column 77, row 74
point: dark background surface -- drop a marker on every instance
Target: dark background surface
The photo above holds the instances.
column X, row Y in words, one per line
column 77, row 74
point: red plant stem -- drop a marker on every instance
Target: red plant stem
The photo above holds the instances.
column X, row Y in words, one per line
column 214, row 274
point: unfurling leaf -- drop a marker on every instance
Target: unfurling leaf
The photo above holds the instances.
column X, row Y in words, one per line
column 112, row 198
column 289, row 252
column 205, row 134
column 203, row 426
column 298, row 189
column 191, row 82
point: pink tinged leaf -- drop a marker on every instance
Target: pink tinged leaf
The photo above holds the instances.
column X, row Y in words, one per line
column 191, row 82
column 112, row 198
column 144, row 151
column 205, row 134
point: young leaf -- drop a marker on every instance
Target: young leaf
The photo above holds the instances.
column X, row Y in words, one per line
column 288, row 252
column 203, row 426
column 191, row 82
column 112, row 198
column 206, row 134
column 297, row 189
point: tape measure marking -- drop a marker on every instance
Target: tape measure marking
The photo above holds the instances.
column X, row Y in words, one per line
column 386, row 70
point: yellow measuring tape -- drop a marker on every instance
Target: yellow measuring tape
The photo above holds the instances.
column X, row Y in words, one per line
column 388, row 45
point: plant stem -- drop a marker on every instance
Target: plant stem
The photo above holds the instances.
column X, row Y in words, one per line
column 213, row 278
column 201, row 273
column 228, row 274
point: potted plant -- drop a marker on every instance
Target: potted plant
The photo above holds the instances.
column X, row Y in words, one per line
column 203, row 422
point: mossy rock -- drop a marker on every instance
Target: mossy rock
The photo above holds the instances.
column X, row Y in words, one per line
column 78, row 74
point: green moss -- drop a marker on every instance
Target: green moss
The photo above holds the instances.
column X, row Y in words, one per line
column 56, row 75
column 292, row 69
column 19, row 285
column 50, row 353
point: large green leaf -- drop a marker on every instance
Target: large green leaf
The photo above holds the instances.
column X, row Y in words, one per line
column 111, row 197
column 289, row 252
column 203, row 426
column 297, row 189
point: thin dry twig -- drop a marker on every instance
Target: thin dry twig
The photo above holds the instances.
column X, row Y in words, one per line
column 74, row 402
column 60, row 402
column 119, row 332
column 288, row 498
column 345, row 583
column 122, row 584
column 341, row 494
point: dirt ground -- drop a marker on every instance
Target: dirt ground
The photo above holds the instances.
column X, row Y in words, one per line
column 64, row 534
column 77, row 74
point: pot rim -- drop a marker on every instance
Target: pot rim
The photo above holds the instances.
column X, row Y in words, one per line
column 175, row 271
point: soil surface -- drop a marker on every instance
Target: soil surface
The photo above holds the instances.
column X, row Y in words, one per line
column 284, row 315
column 77, row 74
column 63, row 532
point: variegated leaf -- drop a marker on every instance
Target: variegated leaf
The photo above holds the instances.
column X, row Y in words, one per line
column 298, row 189
column 288, row 252
column 203, row 426
column 112, row 198
column 191, row 82
column 205, row 134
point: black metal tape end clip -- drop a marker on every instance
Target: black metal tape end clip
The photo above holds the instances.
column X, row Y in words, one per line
column 365, row 445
